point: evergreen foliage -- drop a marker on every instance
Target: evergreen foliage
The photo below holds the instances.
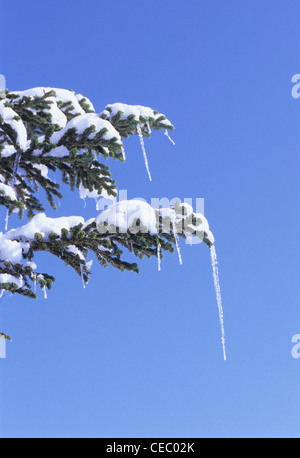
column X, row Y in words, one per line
column 46, row 129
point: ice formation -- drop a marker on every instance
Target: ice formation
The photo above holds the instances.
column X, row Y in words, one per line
column 159, row 256
column 214, row 263
column 134, row 215
column 140, row 134
column 168, row 136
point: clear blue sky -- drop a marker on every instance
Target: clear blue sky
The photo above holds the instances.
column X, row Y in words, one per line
column 140, row 356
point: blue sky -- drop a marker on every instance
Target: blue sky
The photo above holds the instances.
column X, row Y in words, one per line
column 140, row 355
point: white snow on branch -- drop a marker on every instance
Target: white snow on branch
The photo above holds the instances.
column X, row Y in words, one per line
column 139, row 112
column 61, row 95
column 8, row 191
column 10, row 250
column 74, row 250
column 8, row 151
column 11, row 118
column 6, row 278
column 124, row 215
column 83, row 122
column 58, row 152
column 43, row 225
column 42, row 168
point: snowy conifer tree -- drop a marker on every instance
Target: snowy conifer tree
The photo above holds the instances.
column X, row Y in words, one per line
column 45, row 130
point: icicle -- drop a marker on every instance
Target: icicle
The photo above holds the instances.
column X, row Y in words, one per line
column 176, row 240
column 123, row 153
column 178, row 247
column 81, row 270
column 140, row 133
column 45, row 292
column 148, row 128
column 6, row 220
column 15, row 169
column 167, row 134
column 2, row 294
column 214, row 263
column 159, row 256
column 34, row 284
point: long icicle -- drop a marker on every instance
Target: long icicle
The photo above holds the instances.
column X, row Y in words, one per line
column 13, row 181
column 159, row 256
column 176, row 240
column 123, row 153
column 15, row 169
column 214, row 263
column 140, row 134
column 167, row 134
column 82, row 279
column 6, row 220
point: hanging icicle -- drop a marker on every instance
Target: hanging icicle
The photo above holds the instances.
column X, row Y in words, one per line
column 45, row 292
column 82, row 279
column 140, row 134
column 123, row 153
column 176, row 239
column 15, row 169
column 159, row 256
column 148, row 128
column 214, row 263
column 6, row 220
column 167, row 135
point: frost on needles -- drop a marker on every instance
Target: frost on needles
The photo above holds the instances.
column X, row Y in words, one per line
column 48, row 131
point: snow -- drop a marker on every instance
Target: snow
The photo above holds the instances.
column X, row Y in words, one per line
column 59, row 152
column 123, row 215
column 43, row 225
column 31, row 264
column 83, row 122
column 8, row 191
column 80, row 97
column 58, row 117
column 9, row 117
column 74, row 250
column 139, row 112
column 10, row 250
column 6, row 278
column 42, row 168
column 8, row 151
column 88, row 222
column 61, row 95
column 89, row 264
column 185, row 210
